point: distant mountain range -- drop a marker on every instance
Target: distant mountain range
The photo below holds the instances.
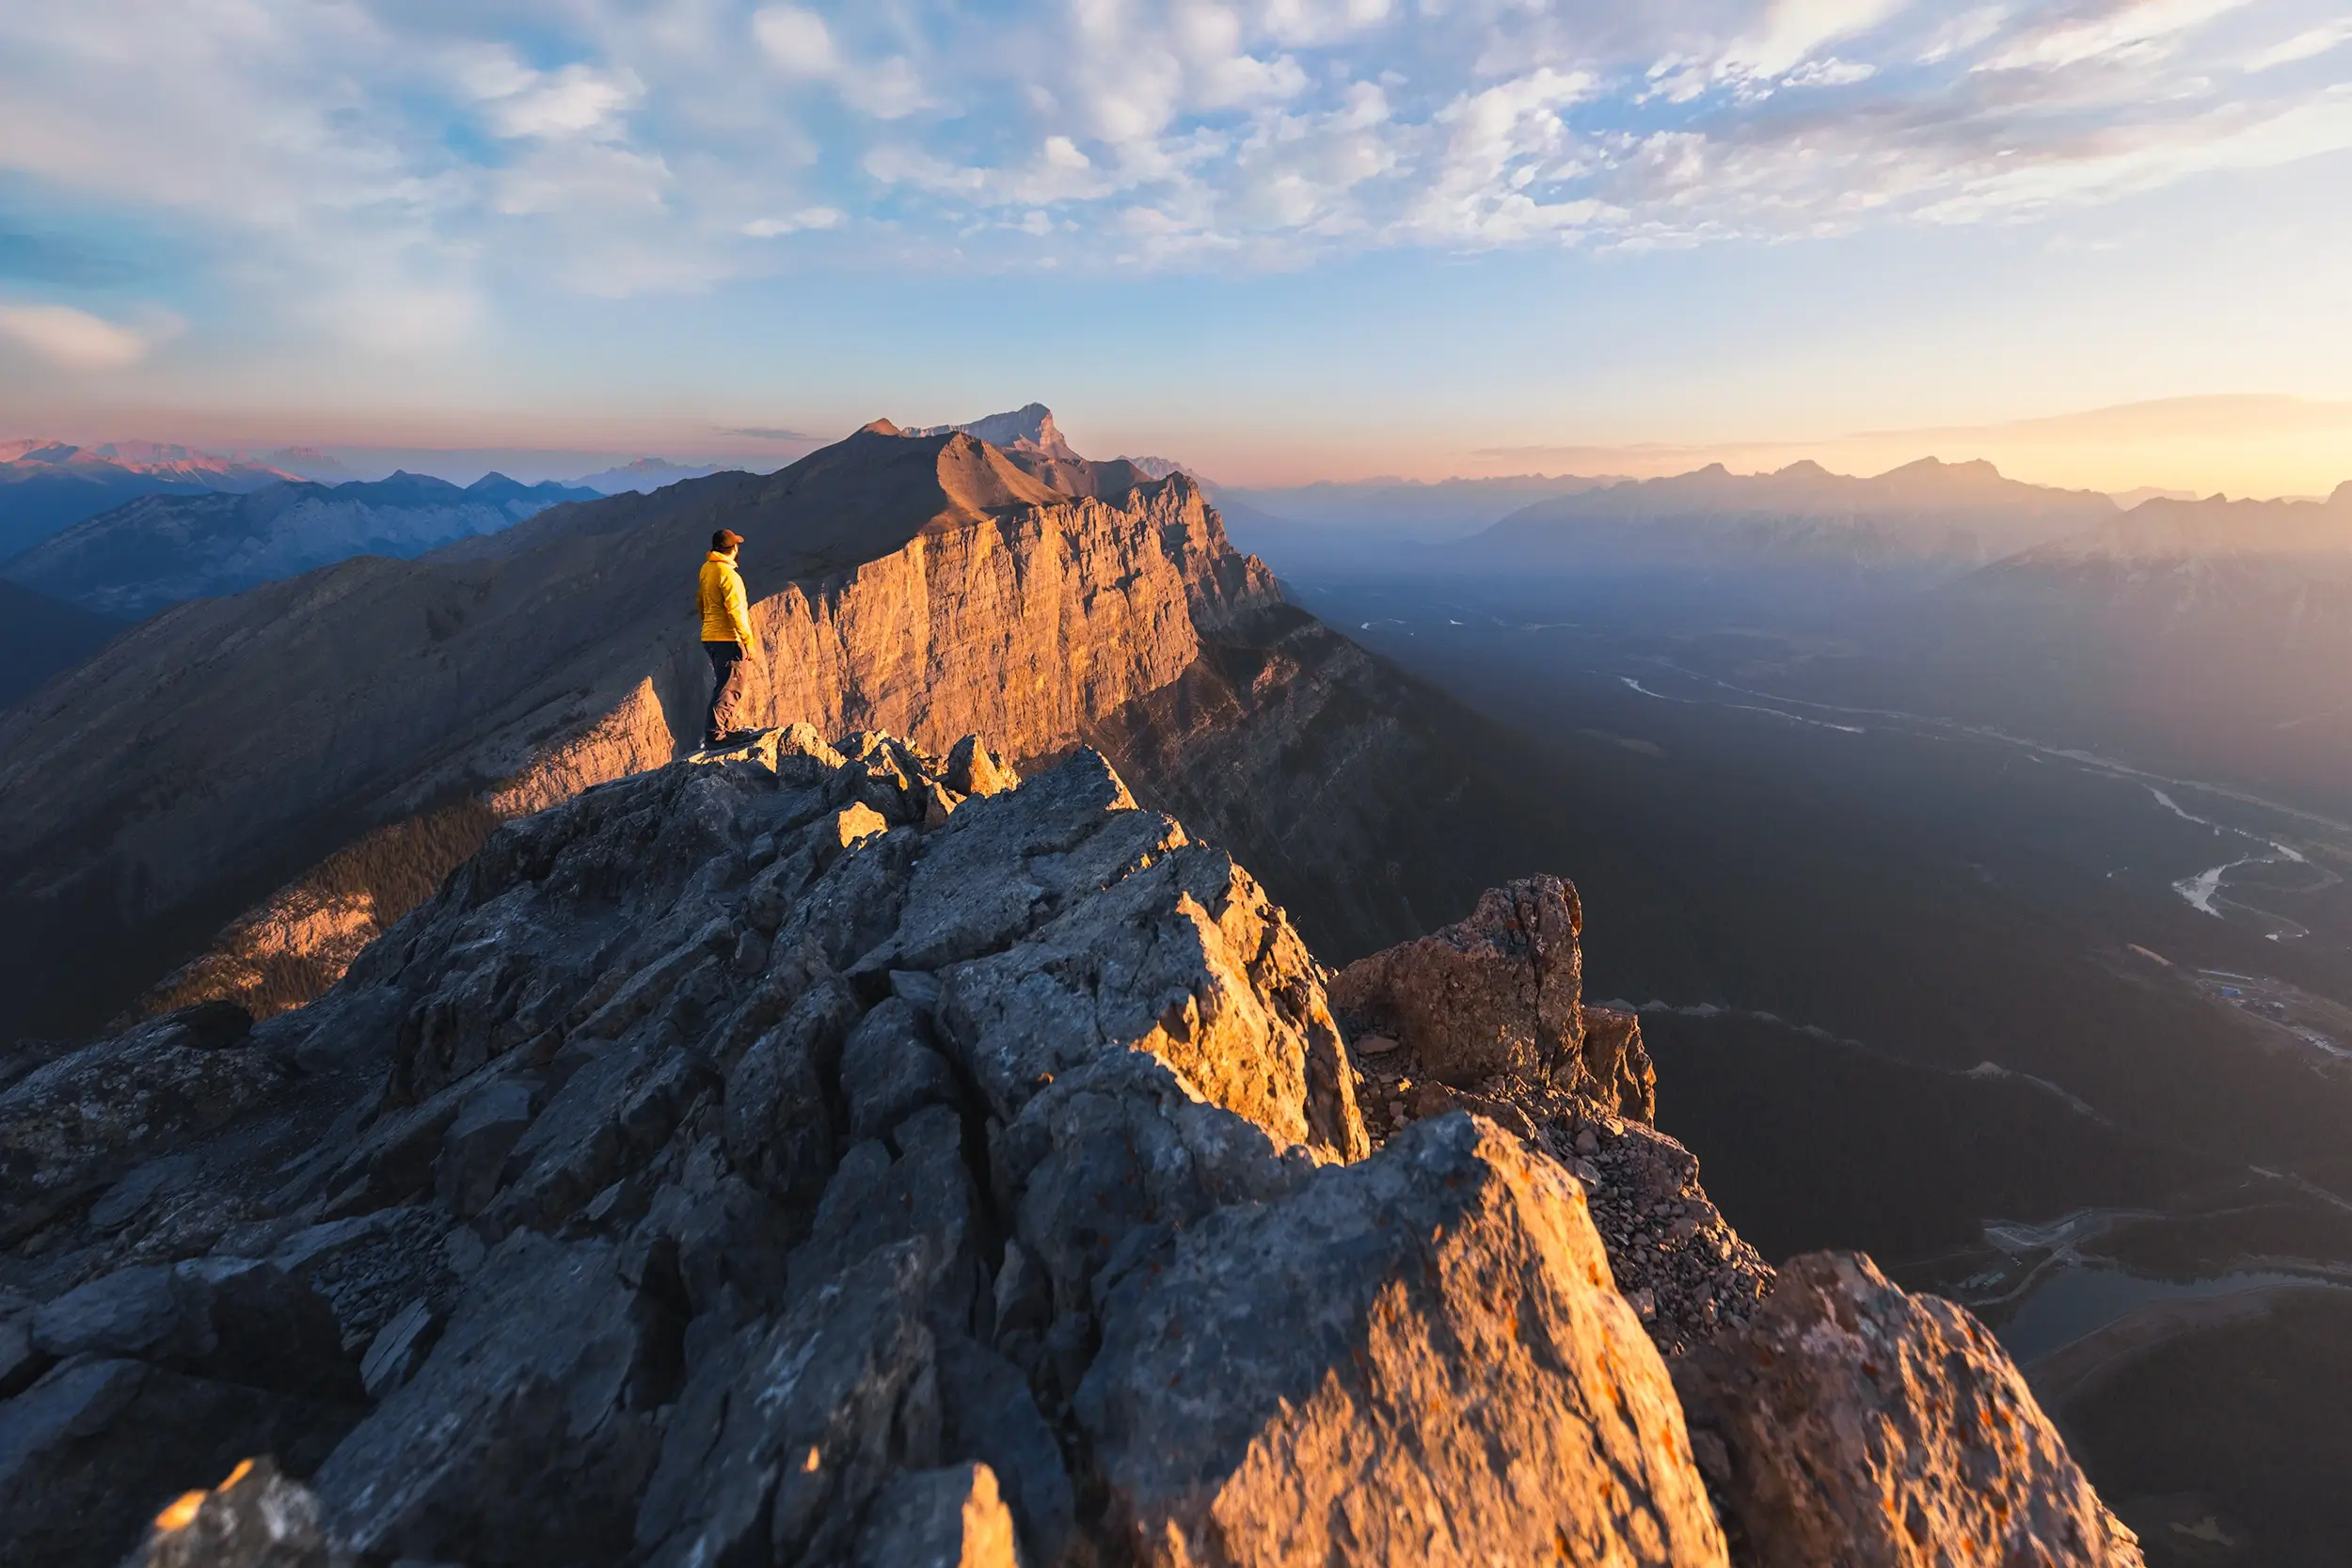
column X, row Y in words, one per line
column 2210, row 634
column 1926, row 517
column 1331, row 514
column 645, row 475
column 309, row 462
column 2129, row 499
column 2177, row 533
column 48, row 486
column 159, row 549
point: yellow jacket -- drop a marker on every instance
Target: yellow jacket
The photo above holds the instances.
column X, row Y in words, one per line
column 725, row 611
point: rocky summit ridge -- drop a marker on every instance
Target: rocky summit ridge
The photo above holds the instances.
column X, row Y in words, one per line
column 834, row 1153
column 359, row 728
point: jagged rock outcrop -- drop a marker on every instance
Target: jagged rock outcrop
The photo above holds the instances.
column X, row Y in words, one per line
column 1497, row 992
column 1488, row 1016
column 821, row 1154
column 1852, row 1421
column 932, row 586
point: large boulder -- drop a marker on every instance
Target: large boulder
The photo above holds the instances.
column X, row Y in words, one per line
column 1499, row 993
column 1421, row 1358
column 1851, row 1422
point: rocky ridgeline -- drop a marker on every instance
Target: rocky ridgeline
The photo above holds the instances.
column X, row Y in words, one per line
column 803, row 1155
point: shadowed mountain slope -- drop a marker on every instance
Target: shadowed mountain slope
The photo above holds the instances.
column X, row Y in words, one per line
column 40, row 636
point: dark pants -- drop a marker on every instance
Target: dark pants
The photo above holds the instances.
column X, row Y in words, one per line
column 726, row 685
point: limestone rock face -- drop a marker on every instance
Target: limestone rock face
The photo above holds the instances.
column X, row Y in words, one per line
column 1497, row 992
column 1421, row 1358
column 692, row 1181
column 1853, row 1422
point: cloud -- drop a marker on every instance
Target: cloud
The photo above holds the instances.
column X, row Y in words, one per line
column 72, row 339
column 2302, row 46
column 800, row 43
column 571, row 102
column 1792, row 30
column 764, row 433
column 2218, row 141
column 808, row 217
column 388, row 313
column 797, row 41
column 454, row 158
column 1964, row 33
column 1829, row 71
column 2138, row 26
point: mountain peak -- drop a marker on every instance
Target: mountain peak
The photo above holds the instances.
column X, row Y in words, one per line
column 1972, row 471
column 884, row 427
column 1028, row 427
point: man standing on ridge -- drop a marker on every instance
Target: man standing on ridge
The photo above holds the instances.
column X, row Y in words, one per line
column 727, row 630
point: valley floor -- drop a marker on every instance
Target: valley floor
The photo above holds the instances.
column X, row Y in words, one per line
column 2050, row 1032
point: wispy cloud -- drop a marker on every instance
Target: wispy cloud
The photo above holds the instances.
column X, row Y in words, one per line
column 769, row 432
column 71, row 339
column 2143, row 29
column 366, row 163
column 2307, row 44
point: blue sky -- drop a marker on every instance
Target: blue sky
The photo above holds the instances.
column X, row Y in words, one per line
column 1279, row 240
